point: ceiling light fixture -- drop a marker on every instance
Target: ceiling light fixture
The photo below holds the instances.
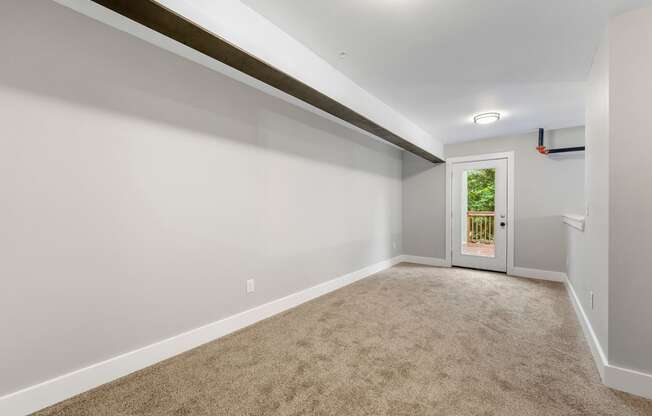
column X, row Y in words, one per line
column 486, row 118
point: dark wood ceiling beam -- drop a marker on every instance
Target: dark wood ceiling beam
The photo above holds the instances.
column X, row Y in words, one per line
column 166, row 22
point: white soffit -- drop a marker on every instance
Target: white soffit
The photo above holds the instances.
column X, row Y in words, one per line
column 238, row 24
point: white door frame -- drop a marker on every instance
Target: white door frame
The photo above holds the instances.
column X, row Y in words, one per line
column 511, row 213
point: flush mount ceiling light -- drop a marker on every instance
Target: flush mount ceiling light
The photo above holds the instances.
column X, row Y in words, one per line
column 486, row 118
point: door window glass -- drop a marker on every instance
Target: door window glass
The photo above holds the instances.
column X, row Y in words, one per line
column 478, row 206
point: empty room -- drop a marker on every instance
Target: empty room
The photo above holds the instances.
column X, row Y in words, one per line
column 344, row 207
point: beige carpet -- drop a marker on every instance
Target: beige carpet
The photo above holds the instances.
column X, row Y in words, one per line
column 412, row 340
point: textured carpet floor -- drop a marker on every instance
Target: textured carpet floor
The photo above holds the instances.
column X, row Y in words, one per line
column 412, row 340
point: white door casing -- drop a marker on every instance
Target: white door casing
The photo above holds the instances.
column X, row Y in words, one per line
column 504, row 257
column 497, row 261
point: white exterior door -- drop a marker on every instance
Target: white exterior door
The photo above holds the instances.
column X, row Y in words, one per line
column 479, row 216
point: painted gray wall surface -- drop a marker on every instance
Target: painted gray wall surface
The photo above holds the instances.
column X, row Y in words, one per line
column 424, row 207
column 140, row 191
column 630, row 223
column 589, row 250
column 546, row 188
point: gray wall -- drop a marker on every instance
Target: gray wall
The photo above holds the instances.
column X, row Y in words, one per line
column 546, row 188
column 588, row 251
column 140, row 191
column 630, row 222
column 610, row 258
column 424, row 207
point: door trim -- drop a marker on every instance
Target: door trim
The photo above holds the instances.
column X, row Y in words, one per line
column 511, row 213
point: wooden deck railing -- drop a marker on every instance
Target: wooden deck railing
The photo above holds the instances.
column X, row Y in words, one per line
column 480, row 226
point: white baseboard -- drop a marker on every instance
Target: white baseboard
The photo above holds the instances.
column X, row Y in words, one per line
column 623, row 379
column 537, row 274
column 50, row 392
column 516, row 271
column 427, row 261
column 599, row 356
column 629, row 381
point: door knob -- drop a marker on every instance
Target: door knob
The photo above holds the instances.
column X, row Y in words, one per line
column 502, row 224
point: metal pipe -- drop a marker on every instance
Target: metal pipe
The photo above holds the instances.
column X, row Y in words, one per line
column 542, row 149
column 568, row 149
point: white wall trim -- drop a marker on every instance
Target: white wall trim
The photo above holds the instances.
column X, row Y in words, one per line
column 511, row 212
column 549, row 275
column 476, row 158
column 623, row 379
column 552, row 276
column 50, row 392
column 427, row 261
column 449, row 212
column 596, row 349
column 629, row 381
column 575, row 221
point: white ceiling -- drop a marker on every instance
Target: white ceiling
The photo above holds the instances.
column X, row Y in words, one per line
column 439, row 62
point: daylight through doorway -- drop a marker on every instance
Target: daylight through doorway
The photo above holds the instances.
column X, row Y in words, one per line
column 479, row 210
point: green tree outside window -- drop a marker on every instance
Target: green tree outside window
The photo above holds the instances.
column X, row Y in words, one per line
column 481, row 185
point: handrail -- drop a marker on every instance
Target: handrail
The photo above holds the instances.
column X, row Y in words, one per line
column 480, row 226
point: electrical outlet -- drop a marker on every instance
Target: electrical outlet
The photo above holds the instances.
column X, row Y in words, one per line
column 592, row 301
column 394, row 245
column 251, row 286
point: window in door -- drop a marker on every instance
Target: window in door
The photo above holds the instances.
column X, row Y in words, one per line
column 479, row 203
